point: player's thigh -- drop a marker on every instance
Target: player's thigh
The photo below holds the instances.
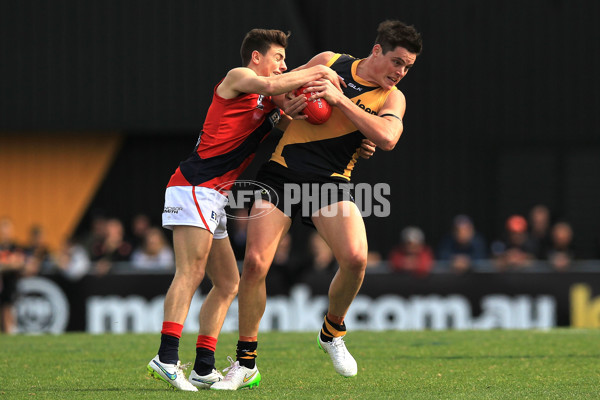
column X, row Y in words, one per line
column 222, row 266
column 266, row 226
column 192, row 246
column 343, row 228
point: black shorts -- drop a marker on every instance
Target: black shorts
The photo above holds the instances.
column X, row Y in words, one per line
column 293, row 192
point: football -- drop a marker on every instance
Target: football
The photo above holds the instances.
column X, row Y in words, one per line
column 318, row 111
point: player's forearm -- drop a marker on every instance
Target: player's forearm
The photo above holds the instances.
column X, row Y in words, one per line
column 284, row 83
column 384, row 133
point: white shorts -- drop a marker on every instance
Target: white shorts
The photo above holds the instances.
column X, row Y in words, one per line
column 195, row 206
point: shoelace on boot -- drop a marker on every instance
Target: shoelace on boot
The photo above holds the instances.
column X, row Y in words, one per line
column 232, row 368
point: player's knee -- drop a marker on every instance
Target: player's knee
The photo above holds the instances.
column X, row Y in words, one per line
column 256, row 266
column 195, row 276
column 354, row 261
column 193, row 270
column 229, row 287
column 186, row 281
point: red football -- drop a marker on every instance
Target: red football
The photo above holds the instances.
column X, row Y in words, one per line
column 318, row 111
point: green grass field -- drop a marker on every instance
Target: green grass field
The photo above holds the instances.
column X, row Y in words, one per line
column 556, row 364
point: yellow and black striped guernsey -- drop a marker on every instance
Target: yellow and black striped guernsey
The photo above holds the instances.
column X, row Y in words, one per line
column 331, row 149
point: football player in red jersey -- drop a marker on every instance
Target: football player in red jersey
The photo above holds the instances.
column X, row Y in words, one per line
column 243, row 111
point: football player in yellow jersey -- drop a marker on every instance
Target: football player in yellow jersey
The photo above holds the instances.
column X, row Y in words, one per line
column 299, row 158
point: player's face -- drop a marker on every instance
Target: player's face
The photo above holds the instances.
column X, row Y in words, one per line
column 392, row 66
column 274, row 61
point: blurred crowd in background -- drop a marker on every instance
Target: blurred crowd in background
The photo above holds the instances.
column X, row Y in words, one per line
column 532, row 242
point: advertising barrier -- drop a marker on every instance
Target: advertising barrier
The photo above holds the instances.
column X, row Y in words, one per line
column 134, row 303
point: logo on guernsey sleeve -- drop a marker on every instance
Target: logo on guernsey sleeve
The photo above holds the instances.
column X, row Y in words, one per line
column 259, row 103
column 353, row 86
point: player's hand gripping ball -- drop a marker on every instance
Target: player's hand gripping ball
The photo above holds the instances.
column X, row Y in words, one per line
column 318, row 111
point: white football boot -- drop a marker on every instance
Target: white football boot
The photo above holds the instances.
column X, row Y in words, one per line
column 343, row 362
column 171, row 373
column 238, row 377
column 205, row 381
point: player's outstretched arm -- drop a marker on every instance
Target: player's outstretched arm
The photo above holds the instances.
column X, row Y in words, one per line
column 322, row 59
column 245, row 80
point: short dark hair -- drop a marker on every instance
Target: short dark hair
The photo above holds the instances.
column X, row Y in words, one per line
column 261, row 40
column 392, row 34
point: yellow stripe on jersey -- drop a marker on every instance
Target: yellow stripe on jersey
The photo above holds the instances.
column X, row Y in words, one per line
column 333, row 59
column 349, row 167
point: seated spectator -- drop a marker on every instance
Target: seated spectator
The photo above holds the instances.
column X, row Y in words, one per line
column 37, row 255
column 560, row 254
column 72, row 260
column 412, row 255
column 12, row 264
column 96, row 233
column 112, row 249
column 140, row 224
column 463, row 248
column 155, row 254
column 516, row 250
column 539, row 230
